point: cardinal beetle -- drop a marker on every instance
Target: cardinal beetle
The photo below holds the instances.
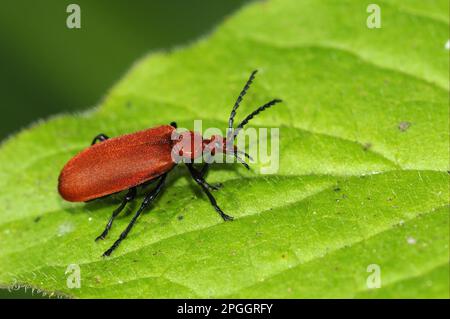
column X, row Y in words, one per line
column 129, row 161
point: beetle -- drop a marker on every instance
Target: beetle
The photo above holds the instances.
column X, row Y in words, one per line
column 113, row 165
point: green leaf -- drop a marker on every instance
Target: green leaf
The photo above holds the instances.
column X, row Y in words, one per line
column 362, row 175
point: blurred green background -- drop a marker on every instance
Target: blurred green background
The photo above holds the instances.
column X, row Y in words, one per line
column 46, row 68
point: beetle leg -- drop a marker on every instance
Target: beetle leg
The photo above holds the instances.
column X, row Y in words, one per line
column 204, row 170
column 205, row 167
column 147, row 201
column 128, row 198
column 200, row 173
column 204, row 185
column 99, row 138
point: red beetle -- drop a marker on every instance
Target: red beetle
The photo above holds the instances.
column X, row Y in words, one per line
column 132, row 160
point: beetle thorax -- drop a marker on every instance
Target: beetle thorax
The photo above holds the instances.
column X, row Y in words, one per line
column 191, row 145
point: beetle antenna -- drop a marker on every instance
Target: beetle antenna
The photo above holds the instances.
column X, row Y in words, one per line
column 253, row 114
column 238, row 101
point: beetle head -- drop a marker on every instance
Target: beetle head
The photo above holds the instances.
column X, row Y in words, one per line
column 190, row 145
column 217, row 144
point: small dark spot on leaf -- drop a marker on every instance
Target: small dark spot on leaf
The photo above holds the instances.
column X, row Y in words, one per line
column 37, row 219
column 283, row 256
column 403, row 126
column 337, row 189
column 389, row 199
column 367, row 146
column 180, row 217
